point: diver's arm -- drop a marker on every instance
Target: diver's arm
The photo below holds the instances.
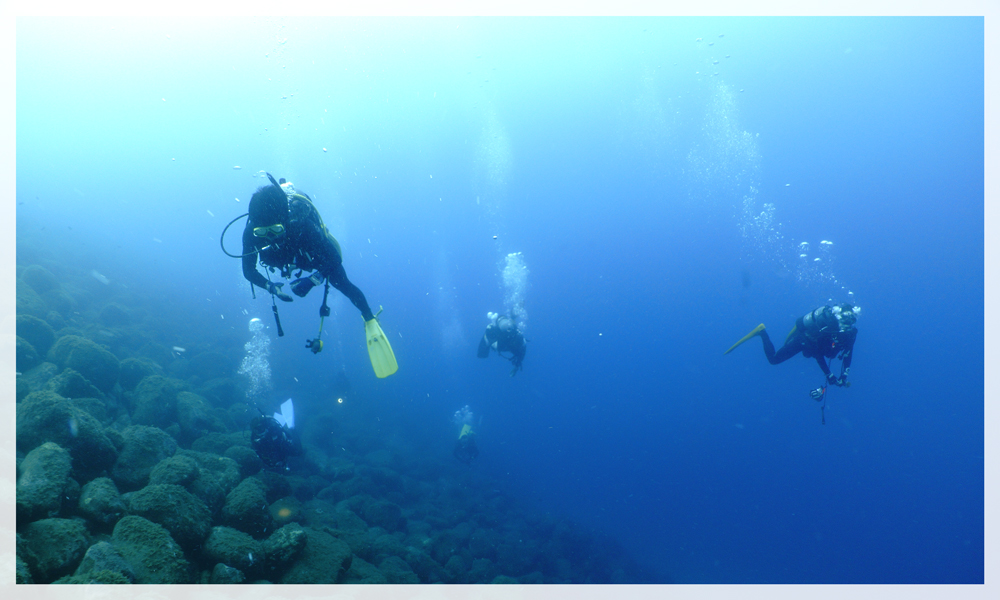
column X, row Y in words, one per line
column 845, row 365
column 250, row 261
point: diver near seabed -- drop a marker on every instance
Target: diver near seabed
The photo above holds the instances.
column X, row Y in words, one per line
column 285, row 232
column 503, row 335
column 827, row 332
column 465, row 449
column 273, row 438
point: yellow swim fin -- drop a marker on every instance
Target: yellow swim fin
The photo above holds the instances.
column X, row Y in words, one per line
column 379, row 350
column 755, row 331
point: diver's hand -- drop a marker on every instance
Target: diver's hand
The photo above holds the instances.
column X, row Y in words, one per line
column 842, row 381
column 275, row 288
column 817, row 393
column 831, row 379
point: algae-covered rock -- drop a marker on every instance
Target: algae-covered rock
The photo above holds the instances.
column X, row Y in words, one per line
column 25, row 355
column 154, row 401
column 57, row 546
column 396, row 570
column 217, row 476
column 154, row 556
column 102, row 557
column 246, row 508
column 44, row 477
column 99, row 366
column 22, row 573
column 224, row 574
column 246, row 458
column 379, row 513
column 21, row 388
column 218, row 443
column 133, row 370
column 234, row 548
column 177, row 510
column 195, row 417
column 178, row 470
column 104, row 577
column 115, row 315
column 39, row 278
column 100, row 503
column 503, row 579
column 143, row 448
column 70, row 384
column 325, row 559
column 40, row 375
column 44, row 416
column 284, row 546
column 362, row 571
column 29, row 302
column 39, row 333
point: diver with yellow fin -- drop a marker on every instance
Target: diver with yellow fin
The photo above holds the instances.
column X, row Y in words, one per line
column 285, row 233
column 824, row 333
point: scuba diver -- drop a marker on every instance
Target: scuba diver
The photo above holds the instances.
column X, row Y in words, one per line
column 826, row 332
column 503, row 335
column 285, row 232
column 465, row 448
column 272, row 437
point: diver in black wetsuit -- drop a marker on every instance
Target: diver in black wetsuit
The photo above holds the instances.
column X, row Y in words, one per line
column 503, row 335
column 285, row 230
column 824, row 333
column 273, row 442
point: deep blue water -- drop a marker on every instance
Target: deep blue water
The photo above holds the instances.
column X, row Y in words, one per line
column 658, row 198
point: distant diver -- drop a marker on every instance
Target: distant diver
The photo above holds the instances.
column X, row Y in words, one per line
column 273, row 439
column 827, row 332
column 285, row 232
column 503, row 335
column 465, row 447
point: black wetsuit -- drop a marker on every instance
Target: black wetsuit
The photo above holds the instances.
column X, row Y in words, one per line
column 816, row 335
column 503, row 336
column 306, row 246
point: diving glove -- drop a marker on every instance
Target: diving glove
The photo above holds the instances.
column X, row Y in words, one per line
column 817, row 394
column 301, row 286
column 831, row 379
column 275, row 289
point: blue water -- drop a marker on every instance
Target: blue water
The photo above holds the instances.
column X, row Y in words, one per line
column 659, row 200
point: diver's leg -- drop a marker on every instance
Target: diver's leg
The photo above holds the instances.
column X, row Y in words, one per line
column 338, row 279
column 787, row 351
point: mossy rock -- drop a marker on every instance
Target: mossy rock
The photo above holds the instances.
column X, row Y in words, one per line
column 57, row 547
column 182, row 514
column 99, row 366
column 28, row 302
column 234, row 548
column 22, row 388
column 41, row 486
column 71, row 384
column 114, row 315
column 39, row 278
column 325, row 559
column 100, row 503
column 154, row 556
column 154, row 401
column 134, row 370
column 144, row 447
column 25, row 357
column 39, row 333
column 45, row 416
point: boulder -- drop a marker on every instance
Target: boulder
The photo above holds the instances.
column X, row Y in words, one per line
column 99, row 366
column 235, row 549
column 102, row 556
column 45, row 416
column 25, row 355
column 183, row 515
column 38, row 332
column 324, row 559
column 154, row 401
column 101, row 504
column 43, row 481
column 246, row 508
column 154, row 556
column 56, row 547
column 39, row 278
column 143, row 449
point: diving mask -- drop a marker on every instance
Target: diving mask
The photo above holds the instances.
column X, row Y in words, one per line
column 270, row 231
